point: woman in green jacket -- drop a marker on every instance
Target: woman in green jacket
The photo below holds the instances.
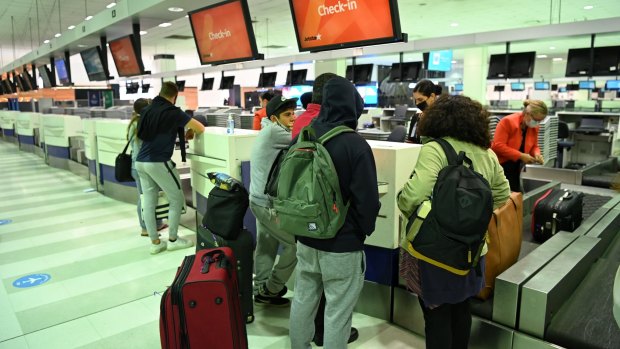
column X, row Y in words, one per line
column 464, row 124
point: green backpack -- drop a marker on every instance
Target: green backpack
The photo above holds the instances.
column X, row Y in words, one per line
column 308, row 201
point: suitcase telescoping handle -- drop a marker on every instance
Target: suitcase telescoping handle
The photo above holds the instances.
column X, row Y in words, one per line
column 215, row 256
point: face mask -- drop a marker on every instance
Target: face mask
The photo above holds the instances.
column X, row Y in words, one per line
column 422, row 105
column 532, row 123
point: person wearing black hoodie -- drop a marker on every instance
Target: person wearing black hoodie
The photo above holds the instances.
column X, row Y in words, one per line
column 158, row 127
column 337, row 265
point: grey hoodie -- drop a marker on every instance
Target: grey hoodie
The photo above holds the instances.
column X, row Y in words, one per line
column 271, row 139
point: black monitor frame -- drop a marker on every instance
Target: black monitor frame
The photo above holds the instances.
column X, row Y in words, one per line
column 227, row 82
column 49, row 81
column 207, row 84
column 520, row 65
column 359, row 73
column 267, row 79
column 296, row 77
column 95, row 76
column 136, row 49
column 398, row 36
column 410, row 72
column 249, row 29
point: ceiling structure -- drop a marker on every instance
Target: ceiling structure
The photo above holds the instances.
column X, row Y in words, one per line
column 25, row 30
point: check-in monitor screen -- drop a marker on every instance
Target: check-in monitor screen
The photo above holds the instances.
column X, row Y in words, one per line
column 124, row 54
column 440, row 60
column 586, row 85
column 223, row 33
column 296, row 92
column 61, row 71
column 369, row 93
column 612, row 85
column 332, row 24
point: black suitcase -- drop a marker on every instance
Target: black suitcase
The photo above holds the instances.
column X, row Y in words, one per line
column 243, row 250
column 557, row 209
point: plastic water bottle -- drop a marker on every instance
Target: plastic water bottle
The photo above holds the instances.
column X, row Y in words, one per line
column 230, row 124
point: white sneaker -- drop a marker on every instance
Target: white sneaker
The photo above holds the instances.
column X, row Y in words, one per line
column 179, row 243
column 155, row 249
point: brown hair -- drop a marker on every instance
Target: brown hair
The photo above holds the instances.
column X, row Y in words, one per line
column 459, row 117
column 535, row 106
column 169, row 90
column 138, row 106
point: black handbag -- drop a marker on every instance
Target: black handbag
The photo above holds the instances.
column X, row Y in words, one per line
column 227, row 203
column 122, row 166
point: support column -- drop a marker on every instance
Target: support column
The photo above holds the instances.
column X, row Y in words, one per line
column 336, row 66
column 475, row 69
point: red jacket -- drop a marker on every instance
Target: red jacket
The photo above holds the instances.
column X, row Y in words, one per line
column 306, row 118
column 258, row 117
column 508, row 136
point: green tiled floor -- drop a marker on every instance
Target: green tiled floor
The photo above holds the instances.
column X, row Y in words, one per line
column 105, row 287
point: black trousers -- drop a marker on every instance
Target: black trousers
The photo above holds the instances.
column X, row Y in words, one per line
column 512, row 171
column 447, row 326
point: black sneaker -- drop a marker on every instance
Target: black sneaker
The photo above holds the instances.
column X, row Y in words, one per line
column 273, row 301
column 264, row 291
column 318, row 338
column 282, row 292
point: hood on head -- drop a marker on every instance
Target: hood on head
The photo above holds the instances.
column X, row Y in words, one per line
column 342, row 104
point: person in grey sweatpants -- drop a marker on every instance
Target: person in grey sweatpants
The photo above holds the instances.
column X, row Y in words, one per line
column 153, row 176
column 341, row 277
column 158, row 127
column 337, row 265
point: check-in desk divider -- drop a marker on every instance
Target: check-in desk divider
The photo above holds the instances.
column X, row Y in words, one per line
column 395, row 163
column 25, row 125
column 57, row 130
column 8, row 119
column 111, row 139
column 217, row 151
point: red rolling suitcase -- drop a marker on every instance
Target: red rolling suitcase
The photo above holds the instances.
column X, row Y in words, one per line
column 201, row 308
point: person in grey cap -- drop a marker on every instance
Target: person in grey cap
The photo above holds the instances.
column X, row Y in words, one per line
column 274, row 136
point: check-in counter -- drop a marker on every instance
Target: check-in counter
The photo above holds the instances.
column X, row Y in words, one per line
column 26, row 127
column 90, row 152
column 111, row 139
column 217, row 151
column 7, row 124
column 395, row 163
column 56, row 130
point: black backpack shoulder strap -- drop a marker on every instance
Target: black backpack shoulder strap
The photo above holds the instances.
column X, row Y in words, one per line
column 448, row 150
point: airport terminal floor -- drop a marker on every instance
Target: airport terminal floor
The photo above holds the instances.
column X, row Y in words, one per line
column 76, row 273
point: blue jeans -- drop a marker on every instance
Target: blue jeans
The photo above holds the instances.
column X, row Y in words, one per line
column 136, row 178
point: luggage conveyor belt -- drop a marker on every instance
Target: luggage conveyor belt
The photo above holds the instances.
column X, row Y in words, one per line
column 553, row 302
column 591, row 204
column 496, row 321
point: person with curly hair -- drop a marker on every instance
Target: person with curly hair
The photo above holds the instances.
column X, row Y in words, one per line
column 464, row 124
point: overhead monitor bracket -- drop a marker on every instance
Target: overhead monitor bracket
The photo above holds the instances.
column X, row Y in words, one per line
column 104, row 54
column 68, row 66
column 400, row 66
column 592, row 37
column 138, row 40
column 52, row 67
column 506, row 62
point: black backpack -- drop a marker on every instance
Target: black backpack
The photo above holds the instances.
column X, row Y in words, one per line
column 227, row 204
column 453, row 234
